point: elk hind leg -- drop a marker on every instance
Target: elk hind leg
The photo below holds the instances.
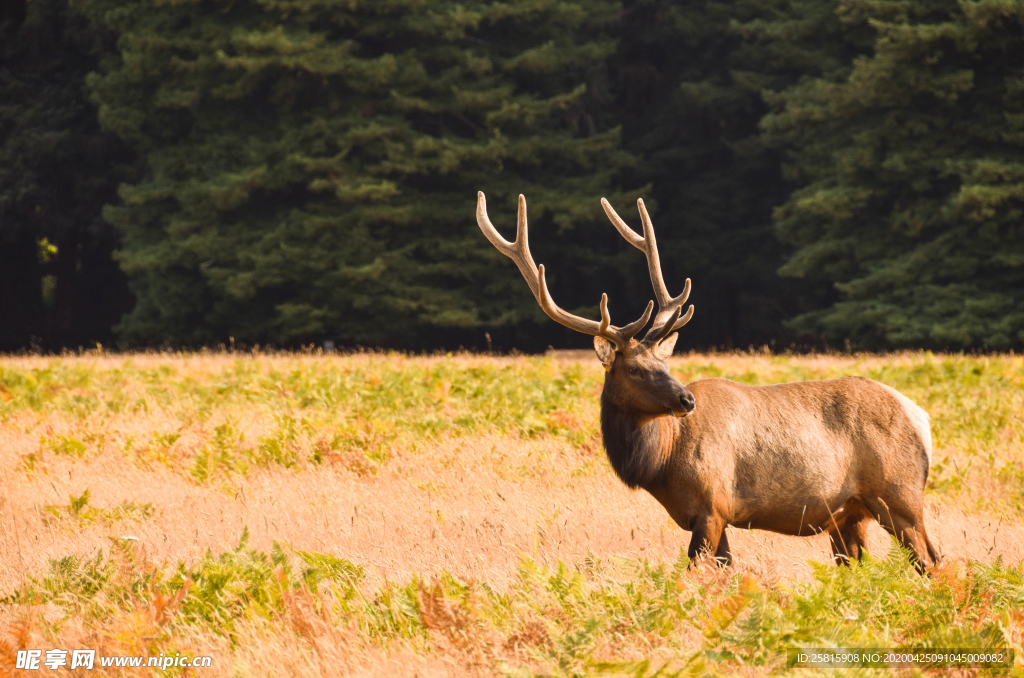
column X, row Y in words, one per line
column 913, row 536
column 908, row 527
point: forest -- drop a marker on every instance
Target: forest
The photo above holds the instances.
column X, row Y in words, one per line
column 831, row 174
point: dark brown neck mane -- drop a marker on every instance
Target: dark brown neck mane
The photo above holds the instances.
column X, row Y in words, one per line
column 638, row 450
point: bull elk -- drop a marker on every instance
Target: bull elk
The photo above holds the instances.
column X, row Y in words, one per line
column 798, row 458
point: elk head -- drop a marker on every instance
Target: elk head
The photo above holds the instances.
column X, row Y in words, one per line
column 637, row 378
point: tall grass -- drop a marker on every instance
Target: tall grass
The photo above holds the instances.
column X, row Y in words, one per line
column 596, row 617
column 219, row 423
column 224, row 417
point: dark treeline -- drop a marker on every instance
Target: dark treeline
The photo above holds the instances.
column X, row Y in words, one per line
column 285, row 172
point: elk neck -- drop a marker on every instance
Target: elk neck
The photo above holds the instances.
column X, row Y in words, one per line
column 638, row 444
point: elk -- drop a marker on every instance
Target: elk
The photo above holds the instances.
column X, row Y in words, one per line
column 797, row 458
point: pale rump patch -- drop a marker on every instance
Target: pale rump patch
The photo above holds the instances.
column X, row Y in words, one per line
column 918, row 417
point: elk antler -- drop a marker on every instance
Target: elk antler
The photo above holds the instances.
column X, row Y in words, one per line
column 519, row 252
column 668, row 318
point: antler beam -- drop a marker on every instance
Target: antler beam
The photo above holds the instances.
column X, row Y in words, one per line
column 519, row 252
column 669, row 310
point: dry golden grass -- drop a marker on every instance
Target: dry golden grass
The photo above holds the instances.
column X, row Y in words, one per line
column 462, row 500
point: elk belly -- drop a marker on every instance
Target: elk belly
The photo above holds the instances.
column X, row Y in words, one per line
column 794, row 517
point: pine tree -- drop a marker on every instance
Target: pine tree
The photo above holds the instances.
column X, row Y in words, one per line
column 693, row 81
column 59, row 286
column 911, row 174
column 313, row 165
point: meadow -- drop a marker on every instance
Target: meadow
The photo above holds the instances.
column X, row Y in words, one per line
column 380, row 514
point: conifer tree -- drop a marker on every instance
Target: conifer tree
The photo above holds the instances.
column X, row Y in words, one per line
column 313, row 166
column 59, row 286
column 911, row 175
column 693, row 81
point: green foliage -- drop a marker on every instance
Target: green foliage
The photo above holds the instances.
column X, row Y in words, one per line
column 880, row 604
column 357, row 411
column 693, row 77
column 235, row 585
column 217, row 591
column 78, row 503
column 66, row 446
column 909, row 180
column 279, row 447
column 95, row 587
column 621, row 617
column 361, row 398
column 81, row 513
column 222, row 457
column 312, row 167
column 58, row 283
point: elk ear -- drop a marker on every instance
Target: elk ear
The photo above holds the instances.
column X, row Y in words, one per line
column 605, row 352
column 663, row 351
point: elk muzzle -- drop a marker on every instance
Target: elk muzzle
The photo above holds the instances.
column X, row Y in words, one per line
column 687, row 403
column 674, row 397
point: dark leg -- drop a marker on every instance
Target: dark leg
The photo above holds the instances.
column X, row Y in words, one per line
column 909, row 529
column 849, row 536
column 722, row 554
column 839, row 550
column 850, row 541
column 708, row 532
column 912, row 535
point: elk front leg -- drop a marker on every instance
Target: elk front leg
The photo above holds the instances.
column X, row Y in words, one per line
column 708, row 537
column 850, row 536
column 722, row 554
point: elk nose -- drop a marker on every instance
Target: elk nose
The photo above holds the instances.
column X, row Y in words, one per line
column 687, row 401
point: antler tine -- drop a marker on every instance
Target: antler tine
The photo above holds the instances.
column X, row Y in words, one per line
column 630, row 330
column 519, row 252
column 653, row 259
column 668, row 318
column 623, row 228
column 659, row 332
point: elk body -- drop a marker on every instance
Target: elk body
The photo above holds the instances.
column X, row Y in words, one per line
column 798, row 458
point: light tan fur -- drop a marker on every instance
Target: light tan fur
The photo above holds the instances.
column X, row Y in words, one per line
column 799, row 458
column 919, row 417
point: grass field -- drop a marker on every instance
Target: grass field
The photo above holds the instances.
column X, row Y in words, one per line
column 388, row 515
